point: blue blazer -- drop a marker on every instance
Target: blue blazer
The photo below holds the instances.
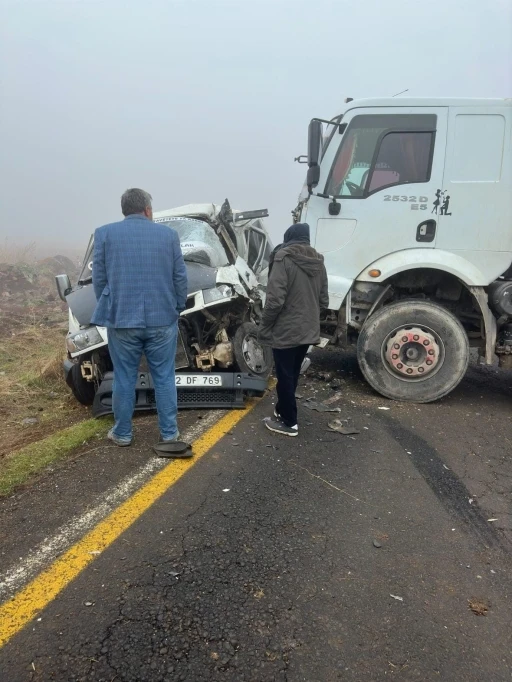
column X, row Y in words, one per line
column 138, row 274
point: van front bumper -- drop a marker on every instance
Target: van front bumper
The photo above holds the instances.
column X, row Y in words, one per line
column 236, row 386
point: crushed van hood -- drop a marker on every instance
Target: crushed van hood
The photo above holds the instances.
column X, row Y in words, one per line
column 82, row 300
column 226, row 242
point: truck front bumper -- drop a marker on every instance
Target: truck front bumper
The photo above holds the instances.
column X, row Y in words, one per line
column 235, row 387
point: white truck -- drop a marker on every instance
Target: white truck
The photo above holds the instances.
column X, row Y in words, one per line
column 410, row 202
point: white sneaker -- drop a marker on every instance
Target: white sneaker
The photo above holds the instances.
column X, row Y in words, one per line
column 279, row 427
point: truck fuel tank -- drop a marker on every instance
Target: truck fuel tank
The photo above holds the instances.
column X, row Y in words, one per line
column 500, row 297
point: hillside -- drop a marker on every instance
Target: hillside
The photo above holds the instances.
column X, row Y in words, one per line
column 29, row 289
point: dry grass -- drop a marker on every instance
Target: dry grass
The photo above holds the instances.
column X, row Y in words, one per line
column 13, row 254
column 22, row 465
column 40, row 420
column 32, row 383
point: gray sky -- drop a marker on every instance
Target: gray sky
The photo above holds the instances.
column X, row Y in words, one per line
column 199, row 100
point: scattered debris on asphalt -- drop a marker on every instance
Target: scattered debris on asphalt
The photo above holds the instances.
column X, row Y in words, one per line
column 88, row 603
column 320, row 407
column 478, row 606
column 226, row 490
column 325, row 376
column 29, row 421
column 340, row 490
column 383, row 408
column 338, row 426
column 491, row 520
column 334, row 399
column 395, row 596
column 376, row 544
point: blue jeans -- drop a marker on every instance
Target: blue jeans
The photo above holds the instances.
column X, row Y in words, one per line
column 126, row 347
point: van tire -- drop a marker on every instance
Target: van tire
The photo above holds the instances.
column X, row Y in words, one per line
column 434, row 322
column 249, row 351
column 84, row 391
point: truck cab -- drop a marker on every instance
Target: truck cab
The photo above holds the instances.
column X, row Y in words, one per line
column 410, row 202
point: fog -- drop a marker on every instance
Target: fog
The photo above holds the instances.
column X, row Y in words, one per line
column 199, row 100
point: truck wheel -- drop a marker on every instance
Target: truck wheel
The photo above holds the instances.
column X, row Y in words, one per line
column 250, row 355
column 413, row 350
column 83, row 390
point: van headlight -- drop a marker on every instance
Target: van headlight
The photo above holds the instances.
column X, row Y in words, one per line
column 217, row 293
column 83, row 339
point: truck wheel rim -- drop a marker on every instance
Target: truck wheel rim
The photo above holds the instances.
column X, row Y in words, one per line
column 413, row 353
column 253, row 355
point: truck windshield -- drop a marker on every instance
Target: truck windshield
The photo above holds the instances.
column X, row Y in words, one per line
column 382, row 150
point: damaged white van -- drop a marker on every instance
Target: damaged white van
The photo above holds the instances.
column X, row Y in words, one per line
column 218, row 358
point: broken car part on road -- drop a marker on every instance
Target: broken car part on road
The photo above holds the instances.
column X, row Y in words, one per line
column 218, row 356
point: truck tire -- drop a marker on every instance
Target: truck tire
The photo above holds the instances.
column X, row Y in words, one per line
column 415, row 351
column 250, row 355
column 83, row 390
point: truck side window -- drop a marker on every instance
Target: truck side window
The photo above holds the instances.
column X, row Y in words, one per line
column 358, row 158
column 402, row 157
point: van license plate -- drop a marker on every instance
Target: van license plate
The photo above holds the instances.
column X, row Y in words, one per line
column 184, row 380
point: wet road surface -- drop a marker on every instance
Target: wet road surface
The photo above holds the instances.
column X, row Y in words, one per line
column 324, row 557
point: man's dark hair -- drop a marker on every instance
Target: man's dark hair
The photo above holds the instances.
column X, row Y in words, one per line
column 135, row 201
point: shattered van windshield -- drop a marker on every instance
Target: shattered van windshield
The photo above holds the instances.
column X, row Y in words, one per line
column 198, row 240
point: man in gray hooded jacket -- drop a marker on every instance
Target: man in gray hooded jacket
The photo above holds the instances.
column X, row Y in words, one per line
column 296, row 293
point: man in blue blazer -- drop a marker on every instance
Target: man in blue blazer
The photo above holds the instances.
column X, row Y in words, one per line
column 140, row 282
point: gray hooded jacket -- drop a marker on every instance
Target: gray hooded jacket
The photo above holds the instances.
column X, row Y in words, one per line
column 297, row 291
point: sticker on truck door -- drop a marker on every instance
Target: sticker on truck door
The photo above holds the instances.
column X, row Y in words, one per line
column 416, row 203
column 441, row 203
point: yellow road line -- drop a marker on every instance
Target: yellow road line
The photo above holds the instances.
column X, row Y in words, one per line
column 30, row 600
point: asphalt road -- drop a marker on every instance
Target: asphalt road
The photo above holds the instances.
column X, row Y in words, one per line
column 325, row 557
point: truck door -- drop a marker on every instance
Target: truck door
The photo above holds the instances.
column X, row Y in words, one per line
column 477, row 185
column 387, row 170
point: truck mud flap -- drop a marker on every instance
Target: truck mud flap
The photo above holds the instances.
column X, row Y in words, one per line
column 235, row 387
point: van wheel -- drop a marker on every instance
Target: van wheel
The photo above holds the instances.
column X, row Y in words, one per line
column 413, row 350
column 250, row 355
column 83, row 390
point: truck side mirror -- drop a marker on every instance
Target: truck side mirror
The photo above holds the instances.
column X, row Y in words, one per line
column 313, row 177
column 315, row 132
column 63, row 286
column 314, row 142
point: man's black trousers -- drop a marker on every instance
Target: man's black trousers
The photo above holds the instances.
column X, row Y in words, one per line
column 288, row 362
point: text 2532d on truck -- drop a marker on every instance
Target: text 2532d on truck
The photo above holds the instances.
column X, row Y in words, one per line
column 218, row 358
